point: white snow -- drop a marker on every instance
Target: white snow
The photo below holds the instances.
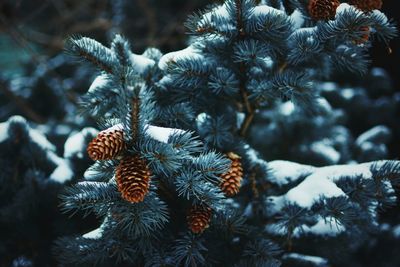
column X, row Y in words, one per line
column 284, row 172
column 325, row 227
column 188, row 52
column 200, row 119
column 316, row 261
column 268, row 62
column 378, row 13
column 324, row 105
column 264, row 9
column 63, row 172
column 41, row 140
column 62, row 129
column 348, row 93
column 287, row 108
column 396, row 231
column 162, row 133
column 3, row 131
column 328, row 86
column 325, row 149
column 95, row 234
column 311, row 189
column 141, row 63
column 218, row 11
column 99, row 81
column 239, row 119
column 297, row 18
column 320, row 183
column 344, row 7
column 374, row 135
column 75, row 144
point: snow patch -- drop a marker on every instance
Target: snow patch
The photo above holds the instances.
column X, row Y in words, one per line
column 297, row 18
column 95, row 234
column 38, row 138
column 311, row 189
column 220, row 11
column 75, row 144
column 396, row 231
column 63, row 172
column 162, row 134
column 325, row 227
column 287, row 108
column 141, row 63
column 377, row 134
column 348, row 93
column 324, row 149
column 285, row 172
column 99, row 81
column 321, row 181
column 313, row 260
column 188, row 52
column 344, row 7
column 3, row 131
column 265, row 10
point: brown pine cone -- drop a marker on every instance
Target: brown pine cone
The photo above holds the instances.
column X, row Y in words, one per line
column 107, row 144
column 366, row 5
column 323, row 9
column 199, row 218
column 133, row 178
column 231, row 180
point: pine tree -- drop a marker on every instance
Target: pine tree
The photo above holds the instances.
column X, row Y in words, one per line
column 187, row 122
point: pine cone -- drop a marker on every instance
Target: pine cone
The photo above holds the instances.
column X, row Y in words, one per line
column 323, row 9
column 366, row 5
column 133, row 178
column 107, row 144
column 199, row 218
column 364, row 38
column 231, row 180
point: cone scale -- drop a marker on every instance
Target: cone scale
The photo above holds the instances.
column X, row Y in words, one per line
column 106, row 145
column 231, row 180
column 322, row 9
column 133, row 178
column 199, row 218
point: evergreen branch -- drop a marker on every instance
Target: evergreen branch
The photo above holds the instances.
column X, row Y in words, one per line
column 89, row 196
column 389, row 170
column 188, row 251
column 262, row 252
column 250, row 112
column 140, row 219
column 121, row 48
column 211, row 165
column 79, row 250
column 350, row 59
column 135, row 117
column 93, row 52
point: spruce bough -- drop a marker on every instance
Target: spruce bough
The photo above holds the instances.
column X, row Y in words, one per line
column 187, row 185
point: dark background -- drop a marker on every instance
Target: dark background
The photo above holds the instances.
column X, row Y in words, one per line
column 379, row 53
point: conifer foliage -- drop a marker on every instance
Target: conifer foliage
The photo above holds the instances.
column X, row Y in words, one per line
column 175, row 181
